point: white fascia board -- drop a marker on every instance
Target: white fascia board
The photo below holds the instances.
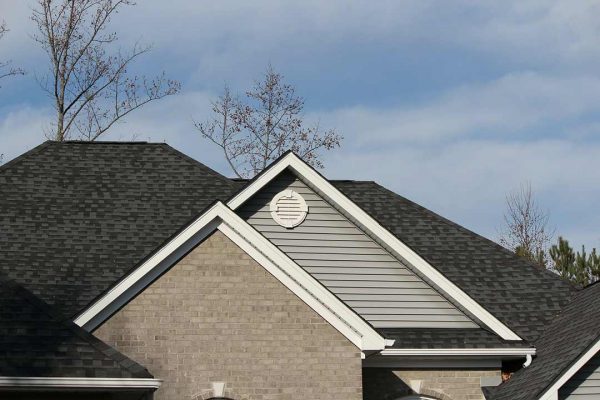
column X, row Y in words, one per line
column 60, row 382
column 374, row 228
column 460, row 352
column 168, row 254
column 220, row 217
column 552, row 392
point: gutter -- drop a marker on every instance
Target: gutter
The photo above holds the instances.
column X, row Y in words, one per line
column 61, row 382
column 513, row 352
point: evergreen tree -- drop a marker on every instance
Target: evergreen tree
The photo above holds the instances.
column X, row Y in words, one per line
column 579, row 267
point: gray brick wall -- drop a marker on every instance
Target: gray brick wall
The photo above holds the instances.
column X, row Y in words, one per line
column 218, row 316
column 443, row 384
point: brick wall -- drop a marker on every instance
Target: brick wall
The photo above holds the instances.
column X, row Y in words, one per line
column 218, row 316
column 448, row 384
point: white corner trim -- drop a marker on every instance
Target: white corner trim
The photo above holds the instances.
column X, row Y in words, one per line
column 59, row 382
column 552, row 392
column 220, row 217
column 378, row 231
column 461, row 352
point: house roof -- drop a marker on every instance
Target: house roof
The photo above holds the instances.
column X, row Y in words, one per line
column 448, row 338
column 523, row 296
column 570, row 336
column 75, row 217
column 35, row 341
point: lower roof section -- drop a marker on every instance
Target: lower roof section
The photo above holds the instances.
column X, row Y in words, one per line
column 426, row 338
column 38, row 343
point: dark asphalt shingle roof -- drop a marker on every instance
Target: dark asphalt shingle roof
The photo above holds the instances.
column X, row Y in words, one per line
column 76, row 217
column 35, row 341
column 446, row 338
column 575, row 330
column 524, row 297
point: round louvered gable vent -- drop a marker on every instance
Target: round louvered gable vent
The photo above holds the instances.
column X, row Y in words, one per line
column 288, row 209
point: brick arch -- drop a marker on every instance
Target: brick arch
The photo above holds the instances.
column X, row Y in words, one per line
column 208, row 395
column 435, row 394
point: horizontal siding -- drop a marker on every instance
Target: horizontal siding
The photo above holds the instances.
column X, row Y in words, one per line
column 585, row 384
column 350, row 264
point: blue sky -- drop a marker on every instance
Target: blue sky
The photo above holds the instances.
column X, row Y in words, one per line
column 451, row 104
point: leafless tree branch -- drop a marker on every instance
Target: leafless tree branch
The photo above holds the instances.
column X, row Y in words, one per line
column 5, row 66
column 255, row 133
column 526, row 229
column 91, row 87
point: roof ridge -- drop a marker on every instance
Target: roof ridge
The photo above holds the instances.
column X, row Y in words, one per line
column 445, row 220
column 99, row 142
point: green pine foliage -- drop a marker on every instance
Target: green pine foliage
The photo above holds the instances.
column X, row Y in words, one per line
column 578, row 267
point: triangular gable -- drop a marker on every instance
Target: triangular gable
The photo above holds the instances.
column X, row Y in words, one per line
column 354, row 267
column 375, row 230
column 220, row 217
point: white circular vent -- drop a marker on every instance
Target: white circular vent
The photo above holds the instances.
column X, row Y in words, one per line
column 288, row 208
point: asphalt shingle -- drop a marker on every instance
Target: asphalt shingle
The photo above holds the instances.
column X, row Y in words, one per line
column 563, row 342
column 76, row 217
column 445, row 338
column 35, row 341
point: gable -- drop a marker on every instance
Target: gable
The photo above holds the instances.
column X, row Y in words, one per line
column 585, row 384
column 218, row 316
column 220, row 217
column 349, row 263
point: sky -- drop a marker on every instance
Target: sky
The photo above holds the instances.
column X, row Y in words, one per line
column 451, row 104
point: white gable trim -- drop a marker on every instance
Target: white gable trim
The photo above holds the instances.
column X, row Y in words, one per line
column 552, row 392
column 220, row 217
column 379, row 232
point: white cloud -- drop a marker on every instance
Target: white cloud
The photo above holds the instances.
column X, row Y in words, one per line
column 458, row 151
column 21, row 129
column 467, row 180
column 506, row 107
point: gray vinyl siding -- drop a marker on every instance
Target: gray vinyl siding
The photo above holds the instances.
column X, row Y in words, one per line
column 585, row 384
column 351, row 264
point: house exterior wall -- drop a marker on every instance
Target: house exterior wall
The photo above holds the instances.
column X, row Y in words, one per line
column 218, row 316
column 443, row 384
column 351, row 264
column 585, row 384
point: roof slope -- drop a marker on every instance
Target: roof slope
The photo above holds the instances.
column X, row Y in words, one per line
column 76, row 217
column 37, row 342
column 568, row 337
column 524, row 297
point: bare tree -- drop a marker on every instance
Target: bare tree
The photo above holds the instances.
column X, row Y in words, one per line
column 526, row 229
column 5, row 66
column 252, row 134
column 89, row 84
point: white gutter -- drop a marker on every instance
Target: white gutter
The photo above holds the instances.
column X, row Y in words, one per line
column 460, row 352
column 60, row 382
column 528, row 361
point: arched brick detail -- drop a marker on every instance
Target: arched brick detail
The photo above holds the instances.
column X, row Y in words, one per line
column 435, row 394
column 229, row 394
